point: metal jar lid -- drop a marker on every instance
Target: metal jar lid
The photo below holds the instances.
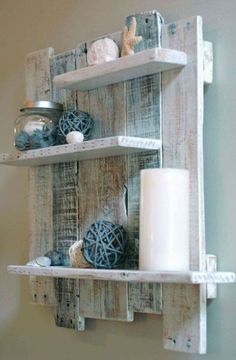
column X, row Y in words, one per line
column 50, row 105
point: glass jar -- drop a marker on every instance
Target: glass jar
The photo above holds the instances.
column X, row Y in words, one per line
column 36, row 127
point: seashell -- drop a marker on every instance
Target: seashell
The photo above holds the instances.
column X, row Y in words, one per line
column 76, row 256
column 41, row 261
column 74, row 137
column 32, row 263
column 102, row 51
column 32, row 126
column 57, row 257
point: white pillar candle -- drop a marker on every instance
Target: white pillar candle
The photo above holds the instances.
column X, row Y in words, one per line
column 164, row 220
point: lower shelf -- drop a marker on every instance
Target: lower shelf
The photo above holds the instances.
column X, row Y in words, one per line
column 181, row 277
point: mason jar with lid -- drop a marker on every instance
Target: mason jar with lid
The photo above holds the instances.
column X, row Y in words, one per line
column 36, row 127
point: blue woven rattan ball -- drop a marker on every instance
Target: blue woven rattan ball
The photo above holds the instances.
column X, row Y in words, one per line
column 104, row 245
column 74, row 120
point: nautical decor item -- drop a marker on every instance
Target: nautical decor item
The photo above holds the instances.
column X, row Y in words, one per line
column 74, row 137
column 41, row 261
column 74, row 120
column 76, row 256
column 164, row 220
column 129, row 39
column 104, row 245
column 101, row 51
column 36, row 127
column 57, row 257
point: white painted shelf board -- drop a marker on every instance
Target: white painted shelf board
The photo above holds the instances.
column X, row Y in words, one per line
column 181, row 277
column 125, row 68
column 92, row 149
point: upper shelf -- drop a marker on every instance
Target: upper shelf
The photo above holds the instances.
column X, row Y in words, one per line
column 92, row 149
column 181, row 277
column 125, row 68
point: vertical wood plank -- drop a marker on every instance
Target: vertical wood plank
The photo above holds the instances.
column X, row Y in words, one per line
column 102, row 186
column 40, row 181
column 184, row 306
column 143, row 103
column 208, row 62
column 65, row 209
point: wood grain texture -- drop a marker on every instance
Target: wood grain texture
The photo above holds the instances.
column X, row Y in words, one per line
column 101, row 193
column 65, row 209
column 87, row 150
column 143, row 104
column 211, row 266
column 208, row 62
column 38, row 87
column 132, row 276
column 184, row 307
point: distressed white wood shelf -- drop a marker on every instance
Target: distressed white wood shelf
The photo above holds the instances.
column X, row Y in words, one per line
column 92, row 149
column 146, row 62
column 179, row 277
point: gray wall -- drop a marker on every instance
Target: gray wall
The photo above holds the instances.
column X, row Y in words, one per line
column 28, row 332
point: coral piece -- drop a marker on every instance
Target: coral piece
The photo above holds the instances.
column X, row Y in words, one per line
column 129, row 40
column 101, row 51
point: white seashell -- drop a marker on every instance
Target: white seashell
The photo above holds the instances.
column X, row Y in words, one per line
column 74, row 137
column 76, row 256
column 102, row 51
column 30, row 127
column 32, row 263
column 41, row 261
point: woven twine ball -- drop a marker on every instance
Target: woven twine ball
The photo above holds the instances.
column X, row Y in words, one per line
column 76, row 256
column 104, row 245
column 74, row 120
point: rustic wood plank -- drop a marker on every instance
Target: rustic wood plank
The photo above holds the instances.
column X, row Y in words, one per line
column 40, row 192
column 91, row 149
column 147, row 62
column 101, row 193
column 208, row 62
column 132, row 276
column 143, row 119
column 182, row 93
column 211, row 266
column 65, row 209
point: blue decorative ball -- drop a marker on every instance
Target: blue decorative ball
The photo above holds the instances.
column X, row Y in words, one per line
column 74, row 120
column 104, row 245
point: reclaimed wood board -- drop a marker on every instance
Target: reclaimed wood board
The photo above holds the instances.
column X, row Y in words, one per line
column 143, row 118
column 131, row 276
column 65, row 209
column 147, row 62
column 38, row 87
column 184, row 307
column 102, row 183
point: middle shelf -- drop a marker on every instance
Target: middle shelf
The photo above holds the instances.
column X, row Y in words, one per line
column 91, row 149
column 181, row 277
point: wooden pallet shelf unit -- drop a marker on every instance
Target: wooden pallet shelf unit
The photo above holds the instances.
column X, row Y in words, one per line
column 148, row 112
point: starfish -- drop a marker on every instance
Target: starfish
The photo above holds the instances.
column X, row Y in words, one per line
column 129, row 39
